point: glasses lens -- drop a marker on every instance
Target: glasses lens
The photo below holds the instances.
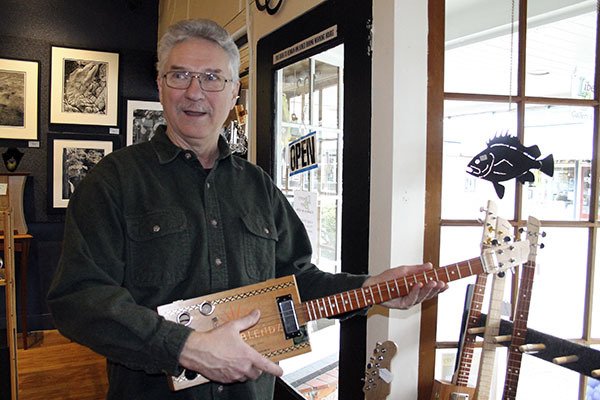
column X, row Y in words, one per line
column 212, row 82
column 178, row 79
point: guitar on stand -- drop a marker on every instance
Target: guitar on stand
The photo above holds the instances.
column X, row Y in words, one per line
column 494, row 229
column 281, row 332
column 492, row 326
column 515, row 354
column 377, row 373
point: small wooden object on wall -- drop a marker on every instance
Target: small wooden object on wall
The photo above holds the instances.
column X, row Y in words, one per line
column 12, row 186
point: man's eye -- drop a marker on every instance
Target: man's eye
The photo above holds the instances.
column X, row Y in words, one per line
column 180, row 76
column 212, row 77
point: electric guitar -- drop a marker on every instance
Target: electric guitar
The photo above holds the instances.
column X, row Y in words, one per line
column 513, row 363
column 492, row 329
column 377, row 374
column 281, row 332
column 495, row 229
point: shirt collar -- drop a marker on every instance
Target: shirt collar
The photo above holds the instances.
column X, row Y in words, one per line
column 166, row 151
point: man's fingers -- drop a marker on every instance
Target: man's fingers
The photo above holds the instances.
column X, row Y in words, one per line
column 248, row 321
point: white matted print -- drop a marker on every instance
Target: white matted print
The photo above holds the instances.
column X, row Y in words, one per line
column 143, row 117
column 83, row 87
column 71, row 161
column 19, row 83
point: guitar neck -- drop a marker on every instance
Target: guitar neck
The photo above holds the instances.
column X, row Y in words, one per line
column 465, row 358
column 356, row 299
column 492, row 328
column 513, row 363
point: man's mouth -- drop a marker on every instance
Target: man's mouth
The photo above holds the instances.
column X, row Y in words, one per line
column 194, row 113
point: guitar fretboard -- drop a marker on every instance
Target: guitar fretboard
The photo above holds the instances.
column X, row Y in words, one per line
column 461, row 377
column 356, row 299
column 513, row 363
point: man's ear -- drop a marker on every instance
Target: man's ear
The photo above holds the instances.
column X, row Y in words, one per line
column 235, row 91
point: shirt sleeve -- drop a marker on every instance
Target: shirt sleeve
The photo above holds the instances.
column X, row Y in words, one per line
column 87, row 300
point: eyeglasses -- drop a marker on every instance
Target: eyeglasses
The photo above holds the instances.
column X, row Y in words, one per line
column 209, row 82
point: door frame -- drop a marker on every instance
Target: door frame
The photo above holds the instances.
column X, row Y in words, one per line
column 353, row 19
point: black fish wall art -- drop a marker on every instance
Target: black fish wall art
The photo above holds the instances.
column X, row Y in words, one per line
column 506, row 158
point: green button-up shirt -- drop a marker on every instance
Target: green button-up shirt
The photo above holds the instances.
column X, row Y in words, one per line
column 148, row 226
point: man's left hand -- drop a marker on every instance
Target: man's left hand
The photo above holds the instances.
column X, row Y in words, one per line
column 418, row 293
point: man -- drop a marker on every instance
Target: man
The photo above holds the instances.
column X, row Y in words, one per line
column 180, row 217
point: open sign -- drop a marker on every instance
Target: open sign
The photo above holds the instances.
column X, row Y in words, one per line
column 303, row 154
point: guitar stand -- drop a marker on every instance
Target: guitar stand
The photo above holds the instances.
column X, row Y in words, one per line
column 565, row 353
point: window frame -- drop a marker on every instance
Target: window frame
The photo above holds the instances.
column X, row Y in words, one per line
column 433, row 219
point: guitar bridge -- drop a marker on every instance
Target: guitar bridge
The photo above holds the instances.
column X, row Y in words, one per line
column 287, row 313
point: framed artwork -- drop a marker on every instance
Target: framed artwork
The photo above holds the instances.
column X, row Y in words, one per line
column 71, row 157
column 19, row 88
column 83, row 87
column 142, row 119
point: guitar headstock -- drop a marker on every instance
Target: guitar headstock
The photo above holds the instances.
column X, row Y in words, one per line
column 489, row 224
column 533, row 235
column 377, row 374
column 504, row 257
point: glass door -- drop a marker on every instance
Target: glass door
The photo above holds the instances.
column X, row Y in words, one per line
column 308, row 102
column 313, row 125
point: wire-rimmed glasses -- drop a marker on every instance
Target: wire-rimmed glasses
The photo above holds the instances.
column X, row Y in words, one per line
column 209, row 81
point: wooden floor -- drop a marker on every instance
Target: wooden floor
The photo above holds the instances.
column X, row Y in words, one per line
column 53, row 368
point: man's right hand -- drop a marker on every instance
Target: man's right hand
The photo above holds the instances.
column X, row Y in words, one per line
column 221, row 355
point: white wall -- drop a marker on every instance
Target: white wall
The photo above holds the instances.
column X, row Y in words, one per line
column 398, row 170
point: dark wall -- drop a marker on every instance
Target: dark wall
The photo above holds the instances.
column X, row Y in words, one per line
column 28, row 31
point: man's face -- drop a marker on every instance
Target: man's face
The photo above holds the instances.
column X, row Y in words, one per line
column 194, row 115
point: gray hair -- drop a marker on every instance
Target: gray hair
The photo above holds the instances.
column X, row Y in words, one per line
column 198, row 29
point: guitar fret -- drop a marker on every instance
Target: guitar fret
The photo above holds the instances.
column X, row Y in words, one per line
column 406, row 285
column 357, row 300
column 330, row 305
column 458, row 270
column 380, row 295
column 469, row 265
column 447, row 275
column 387, row 285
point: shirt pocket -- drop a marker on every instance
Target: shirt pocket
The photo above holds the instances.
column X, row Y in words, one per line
column 159, row 250
column 259, row 246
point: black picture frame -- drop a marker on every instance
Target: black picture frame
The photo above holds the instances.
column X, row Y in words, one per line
column 70, row 157
column 19, row 89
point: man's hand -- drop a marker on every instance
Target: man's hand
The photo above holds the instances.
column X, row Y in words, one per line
column 417, row 294
column 221, row 354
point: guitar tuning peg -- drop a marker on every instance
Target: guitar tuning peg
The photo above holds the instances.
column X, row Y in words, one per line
column 501, row 274
column 541, row 246
column 521, row 230
column 543, row 234
column 507, row 239
column 494, row 242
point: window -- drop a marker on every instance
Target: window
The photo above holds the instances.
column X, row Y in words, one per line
column 526, row 69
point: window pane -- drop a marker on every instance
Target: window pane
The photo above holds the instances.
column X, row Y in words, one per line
column 561, row 49
column 468, row 126
column 456, row 244
column 478, row 47
column 559, row 270
column 567, row 133
column 540, row 379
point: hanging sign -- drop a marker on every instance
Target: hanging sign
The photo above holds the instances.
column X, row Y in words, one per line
column 305, row 204
column 303, row 154
column 308, row 43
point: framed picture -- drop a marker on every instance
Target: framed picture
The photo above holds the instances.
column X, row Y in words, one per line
column 142, row 119
column 71, row 157
column 19, row 88
column 83, row 87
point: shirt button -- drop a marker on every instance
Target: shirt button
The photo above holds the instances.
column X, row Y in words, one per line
column 220, row 389
column 214, row 222
column 156, row 228
column 208, row 185
column 188, row 156
column 218, row 262
column 267, row 231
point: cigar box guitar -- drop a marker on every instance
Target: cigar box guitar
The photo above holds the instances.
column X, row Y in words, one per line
column 281, row 331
